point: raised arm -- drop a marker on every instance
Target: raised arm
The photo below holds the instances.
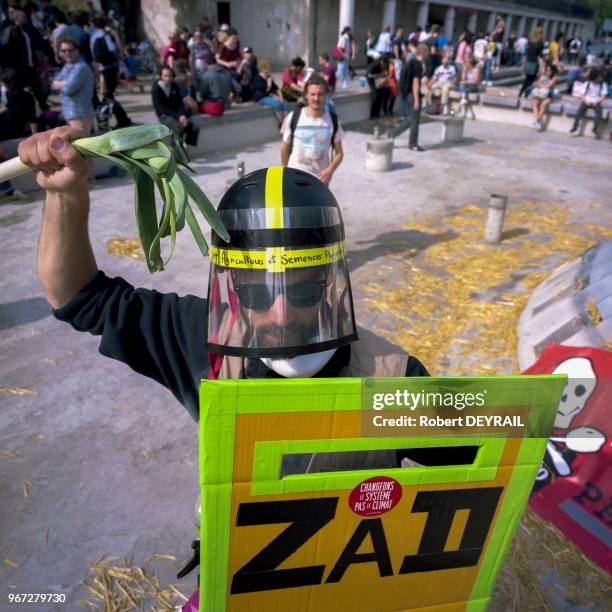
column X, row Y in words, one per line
column 66, row 262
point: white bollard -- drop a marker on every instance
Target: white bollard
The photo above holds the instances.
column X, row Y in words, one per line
column 452, row 129
column 379, row 155
column 495, row 218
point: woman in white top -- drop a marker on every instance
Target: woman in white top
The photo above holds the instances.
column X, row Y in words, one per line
column 345, row 45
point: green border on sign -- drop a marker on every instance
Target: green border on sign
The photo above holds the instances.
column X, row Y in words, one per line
column 222, row 401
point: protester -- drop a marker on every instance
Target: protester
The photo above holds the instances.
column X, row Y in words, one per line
column 265, row 91
column 464, row 52
column 480, row 49
column 542, row 94
column 328, row 72
column 497, row 38
column 308, row 142
column 383, row 43
column 398, row 43
column 75, row 83
column 595, row 92
column 170, row 108
column 292, row 80
column 17, row 107
column 393, row 86
column 218, row 89
column 368, row 47
column 531, row 67
column 177, row 49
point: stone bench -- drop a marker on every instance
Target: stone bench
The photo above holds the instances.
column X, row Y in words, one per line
column 498, row 100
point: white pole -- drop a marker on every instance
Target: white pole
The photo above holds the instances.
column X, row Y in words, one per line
column 12, row 168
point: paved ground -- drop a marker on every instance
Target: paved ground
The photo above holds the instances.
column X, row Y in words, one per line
column 108, row 459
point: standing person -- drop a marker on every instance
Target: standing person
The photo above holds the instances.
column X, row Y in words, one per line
column 497, row 37
column 75, row 83
column 105, row 53
column 596, row 91
column 378, row 77
column 574, row 48
column 368, row 47
column 410, row 87
column 531, row 67
column 345, row 46
column 542, row 94
column 311, row 133
column 383, row 44
column 490, row 60
column 17, row 110
column 480, row 49
column 398, row 43
column 170, row 108
column 521, row 49
column 464, row 52
column 555, row 50
column 266, row 92
column 329, row 74
column 19, row 44
column 393, row 86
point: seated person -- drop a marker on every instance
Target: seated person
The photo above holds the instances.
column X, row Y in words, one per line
column 469, row 80
column 185, row 84
column 265, row 91
column 542, row 94
column 292, row 83
column 577, row 73
column 442, row 82
column 247, row 69
column 170, row 108
column 595, row 92
column 218, row 85
column 17, row 109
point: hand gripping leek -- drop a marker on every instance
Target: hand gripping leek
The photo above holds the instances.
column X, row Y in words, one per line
column 142, row 152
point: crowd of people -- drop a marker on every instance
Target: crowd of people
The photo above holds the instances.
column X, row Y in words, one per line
column 424, row 66
column 83, row 55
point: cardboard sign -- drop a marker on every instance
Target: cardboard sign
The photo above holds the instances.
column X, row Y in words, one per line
column 574, row 485
column 385, row 539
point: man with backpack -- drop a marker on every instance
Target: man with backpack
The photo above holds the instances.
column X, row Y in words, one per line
column 312, row 136
column 105, row 52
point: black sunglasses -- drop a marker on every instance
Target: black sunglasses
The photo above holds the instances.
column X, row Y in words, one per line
column 304, row 294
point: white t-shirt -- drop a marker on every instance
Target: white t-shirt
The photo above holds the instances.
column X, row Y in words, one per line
column 311, row 141
column 480, row 48
column 445, row 74
column 344, row 42
column 595, row 91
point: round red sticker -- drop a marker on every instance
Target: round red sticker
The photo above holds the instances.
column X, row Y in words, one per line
column 375, row 496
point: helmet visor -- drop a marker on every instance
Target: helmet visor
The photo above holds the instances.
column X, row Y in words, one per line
column 279, row 301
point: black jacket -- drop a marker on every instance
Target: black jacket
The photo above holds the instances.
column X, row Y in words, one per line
column 161, row 336
column 413, row 69
column 171, row 105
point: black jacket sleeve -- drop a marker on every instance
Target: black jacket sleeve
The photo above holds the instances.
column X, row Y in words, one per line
column 158, row 335
column 415, row 368
column 172, row 106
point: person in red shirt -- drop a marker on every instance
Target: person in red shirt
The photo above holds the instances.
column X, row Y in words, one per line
column 293, row 80
column 229, row 53
column 177, row 49
column 328, row 71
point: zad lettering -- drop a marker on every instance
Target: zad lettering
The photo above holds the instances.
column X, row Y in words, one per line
column 308, row 516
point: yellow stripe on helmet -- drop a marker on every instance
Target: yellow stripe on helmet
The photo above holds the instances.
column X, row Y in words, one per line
column 274, row 197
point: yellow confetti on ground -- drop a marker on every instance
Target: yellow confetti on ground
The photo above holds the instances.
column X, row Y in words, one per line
column 455, row 304
column 125, row 247
column 10, row 562
column 8, row 453
column 11, row 391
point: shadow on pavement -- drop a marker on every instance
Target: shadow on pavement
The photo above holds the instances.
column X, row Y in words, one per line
column 24, row 311
column 410, row 242
column 466, row 142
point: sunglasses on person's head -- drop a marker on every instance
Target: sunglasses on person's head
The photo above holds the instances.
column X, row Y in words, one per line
column 260, row 296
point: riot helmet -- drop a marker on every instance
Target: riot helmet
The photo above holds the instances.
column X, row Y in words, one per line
column 280, row 287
